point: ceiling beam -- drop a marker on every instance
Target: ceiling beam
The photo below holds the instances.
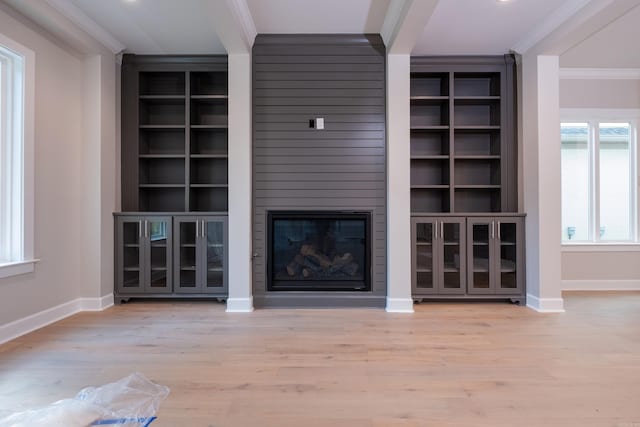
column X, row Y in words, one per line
column 571, row 24
column 234, row 25
column 404, row 24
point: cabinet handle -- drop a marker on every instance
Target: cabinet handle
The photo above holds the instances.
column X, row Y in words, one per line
column 493, row 233
column 203, row 231
column 442, row 230
column 197, row 228
column 140, row 228
column 499, row 236
column 435, row 230
column 146, row 228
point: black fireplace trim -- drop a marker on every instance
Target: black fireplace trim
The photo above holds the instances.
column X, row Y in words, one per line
column 334, row 285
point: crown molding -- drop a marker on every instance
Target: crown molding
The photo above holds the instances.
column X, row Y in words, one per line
column 599, row 73
column 549, row 24
column 78, row 17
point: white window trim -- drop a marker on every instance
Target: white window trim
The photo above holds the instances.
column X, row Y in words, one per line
column 631, row 115
column 26, row 264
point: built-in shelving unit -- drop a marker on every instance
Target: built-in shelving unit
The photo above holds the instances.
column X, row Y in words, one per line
column 174, row 177
column 175, row 134
column 462, row 136
column 464, row 165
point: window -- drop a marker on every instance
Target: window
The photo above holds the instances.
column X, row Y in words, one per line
column 16, row 158
column 599, row 184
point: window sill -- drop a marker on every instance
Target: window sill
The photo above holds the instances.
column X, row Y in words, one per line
column 15, row 268
column 600, row 247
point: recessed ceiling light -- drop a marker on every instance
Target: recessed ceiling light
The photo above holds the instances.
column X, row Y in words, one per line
column 503, row 1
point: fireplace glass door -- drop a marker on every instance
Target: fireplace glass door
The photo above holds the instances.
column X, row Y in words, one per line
column 327, row 251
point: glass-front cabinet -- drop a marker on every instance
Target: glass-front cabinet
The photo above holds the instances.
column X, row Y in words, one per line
column 495, row 255
column 200, row 245
column 424, row 274
column 143, row 254
column 438, row 256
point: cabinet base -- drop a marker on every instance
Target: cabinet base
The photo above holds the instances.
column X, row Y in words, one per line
column 119, row 299
column 519, row 300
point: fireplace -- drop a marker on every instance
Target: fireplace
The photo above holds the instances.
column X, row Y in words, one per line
column 319, row 251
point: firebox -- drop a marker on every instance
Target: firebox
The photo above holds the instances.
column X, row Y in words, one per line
column 319, row 251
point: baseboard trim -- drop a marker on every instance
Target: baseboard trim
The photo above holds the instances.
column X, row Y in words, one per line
column 96, row 304
column 399, row 305
column 51, row 315
column 240, row 305
column 601, row 285
column 545, row 305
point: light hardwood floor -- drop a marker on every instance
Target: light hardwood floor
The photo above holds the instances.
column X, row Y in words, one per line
column 486, row 364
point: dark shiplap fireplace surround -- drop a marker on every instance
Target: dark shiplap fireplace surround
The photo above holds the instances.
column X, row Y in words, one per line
column 323, row 172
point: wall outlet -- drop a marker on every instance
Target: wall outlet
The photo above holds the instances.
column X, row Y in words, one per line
column 320, row 123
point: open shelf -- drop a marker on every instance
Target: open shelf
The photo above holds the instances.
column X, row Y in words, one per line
column 165, row 141
column 162, row 171
column 162, row 112
column 208, row 199
column 208, row 84
column 208, row 171
column 476, row 84
column 476, row 115
column 162, row 83
column 162, row 199
column 429, row 85
column 209, row 112
column 209, row 141
column 429, row 115
column 476, row 172
column 477, row 199
column 429, row 143
column 430, row 172
column 430, row 200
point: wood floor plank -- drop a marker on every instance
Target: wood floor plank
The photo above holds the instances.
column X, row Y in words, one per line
column 449, row 364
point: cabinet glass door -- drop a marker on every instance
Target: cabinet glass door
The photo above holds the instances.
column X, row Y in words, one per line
column 158, row 232
column 214, row 254
column 130, row 257
column 479, row 256
column 509, row 260
column 452, row 278
column 424, row 253
column 187, row 236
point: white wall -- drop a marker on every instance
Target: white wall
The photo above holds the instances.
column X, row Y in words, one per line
column 58, row 199
column 603, row 266
column 75, row 181
column 581, row 93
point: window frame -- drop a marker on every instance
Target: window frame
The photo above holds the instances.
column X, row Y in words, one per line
column 24, row 185
column 594, row 117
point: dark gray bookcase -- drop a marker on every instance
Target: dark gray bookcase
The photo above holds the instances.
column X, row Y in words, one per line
column 174, row 133
column 463, row 140
column 174, row 178
column 464, row 178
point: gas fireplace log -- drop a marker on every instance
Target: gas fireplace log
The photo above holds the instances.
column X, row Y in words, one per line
column 310, row 252
column 294, row 267
column 351, row 269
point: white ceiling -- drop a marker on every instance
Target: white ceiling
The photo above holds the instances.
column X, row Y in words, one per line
column 313, row 16
column 457, row 27
column 488, row 27
column 156, row 26
column 615, row 46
